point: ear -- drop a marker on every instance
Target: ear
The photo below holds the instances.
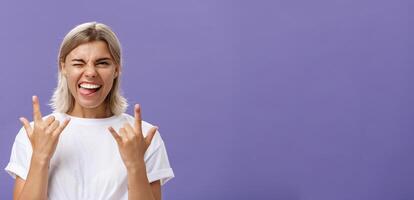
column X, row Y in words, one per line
column 62, row 68
column 117, row 71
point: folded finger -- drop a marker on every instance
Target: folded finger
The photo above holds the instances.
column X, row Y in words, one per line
column 49, row 120
column 52, row 127
column 130, row 132
column 122, row 132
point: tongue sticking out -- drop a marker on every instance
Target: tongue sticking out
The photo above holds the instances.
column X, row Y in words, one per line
column 87, row 91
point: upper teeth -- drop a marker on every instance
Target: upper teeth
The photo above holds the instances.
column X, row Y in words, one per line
column 89, row 86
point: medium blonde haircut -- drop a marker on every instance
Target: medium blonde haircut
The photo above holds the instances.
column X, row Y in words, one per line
column 62, row 99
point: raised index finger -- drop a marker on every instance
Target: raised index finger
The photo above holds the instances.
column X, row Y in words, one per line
column 37, row 115
column 138, row 120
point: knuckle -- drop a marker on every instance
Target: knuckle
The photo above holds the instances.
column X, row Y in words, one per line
column 48, row 132
column 41, row 126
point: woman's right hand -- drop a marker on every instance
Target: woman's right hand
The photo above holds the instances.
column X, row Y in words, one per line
column 44, row 135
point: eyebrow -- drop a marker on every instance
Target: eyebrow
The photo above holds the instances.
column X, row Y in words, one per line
column 103, row 59
column 78, row 60
column 98, row 60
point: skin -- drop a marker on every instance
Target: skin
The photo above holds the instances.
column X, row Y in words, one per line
column 89, row 62
column 132, row 146
column 43, row 136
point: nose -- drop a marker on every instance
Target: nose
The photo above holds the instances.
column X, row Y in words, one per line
column 90, row 71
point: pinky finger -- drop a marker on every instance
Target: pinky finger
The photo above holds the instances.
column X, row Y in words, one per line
column 60, row 129
column 150, row 135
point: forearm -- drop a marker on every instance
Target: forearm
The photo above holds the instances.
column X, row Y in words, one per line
column 35, row 187
column 138, row 186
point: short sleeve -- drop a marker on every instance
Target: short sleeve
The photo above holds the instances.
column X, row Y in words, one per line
column 156, row 161
column 20, row 157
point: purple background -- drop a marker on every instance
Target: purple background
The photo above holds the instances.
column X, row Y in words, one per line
column 287, row 99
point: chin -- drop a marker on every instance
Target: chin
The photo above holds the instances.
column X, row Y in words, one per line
column 89, row 104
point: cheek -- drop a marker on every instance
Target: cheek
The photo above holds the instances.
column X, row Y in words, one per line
column 109, row 84
column 72, row 79
column 108, row 78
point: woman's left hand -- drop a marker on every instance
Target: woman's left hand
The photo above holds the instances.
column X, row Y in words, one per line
column 131, row 143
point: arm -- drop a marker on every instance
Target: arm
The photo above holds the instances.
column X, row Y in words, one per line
column 132, row 146
column 35, row 187
column 43, row 136
column 135, row 183
column 140, row 188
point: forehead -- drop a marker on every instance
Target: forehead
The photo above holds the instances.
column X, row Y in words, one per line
column 90, row 50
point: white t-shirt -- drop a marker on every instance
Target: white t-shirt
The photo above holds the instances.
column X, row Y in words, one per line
column 87, row 163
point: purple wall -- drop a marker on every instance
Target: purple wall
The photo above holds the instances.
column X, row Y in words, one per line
column 292, row 100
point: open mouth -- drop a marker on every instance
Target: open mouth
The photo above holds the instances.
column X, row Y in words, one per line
column 88, row 88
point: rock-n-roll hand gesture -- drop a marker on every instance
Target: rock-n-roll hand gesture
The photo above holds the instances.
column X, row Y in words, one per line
column 45, row 133
column 131, row 142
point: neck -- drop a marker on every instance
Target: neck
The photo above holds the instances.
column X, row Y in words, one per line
column 102, row 111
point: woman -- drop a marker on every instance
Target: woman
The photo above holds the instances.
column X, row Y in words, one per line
column 88, row 148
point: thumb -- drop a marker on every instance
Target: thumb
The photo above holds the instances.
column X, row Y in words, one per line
column 116, row 136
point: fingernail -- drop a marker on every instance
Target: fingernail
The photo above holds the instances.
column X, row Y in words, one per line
column 33, row 98
column 136, row 106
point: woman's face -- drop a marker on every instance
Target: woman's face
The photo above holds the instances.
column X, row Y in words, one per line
column 90, row 71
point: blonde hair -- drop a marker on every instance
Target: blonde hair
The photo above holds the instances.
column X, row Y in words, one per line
column 62, row 100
